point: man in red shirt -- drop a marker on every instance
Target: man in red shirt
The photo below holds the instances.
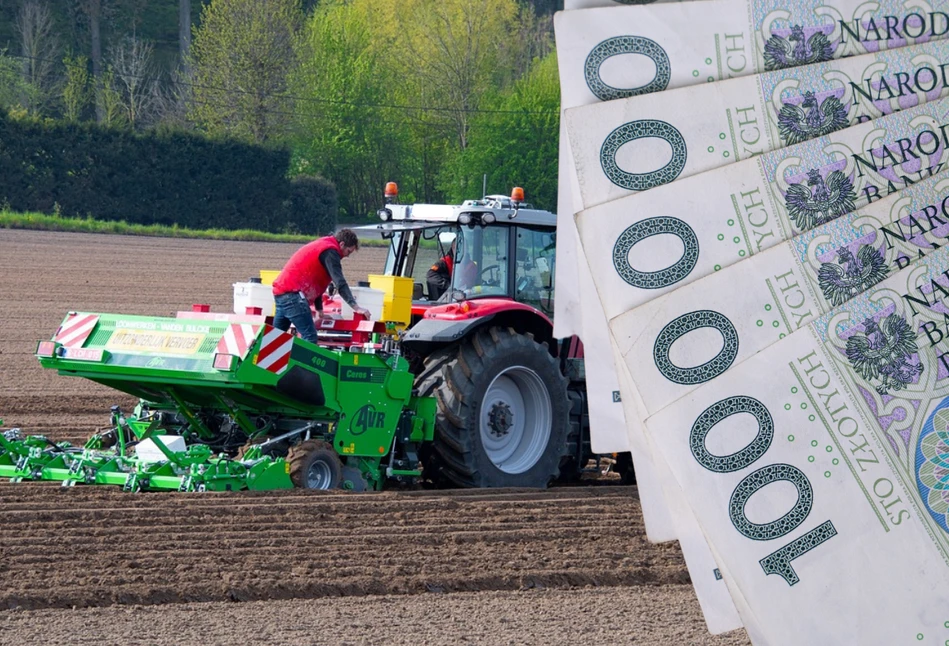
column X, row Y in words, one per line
column 305, row 278
column 440, row 274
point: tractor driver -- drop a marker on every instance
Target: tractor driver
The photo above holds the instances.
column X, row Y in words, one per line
column 440, row 274
column 305, row 278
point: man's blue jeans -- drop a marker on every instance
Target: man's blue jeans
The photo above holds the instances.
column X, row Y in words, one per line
column 293, row 308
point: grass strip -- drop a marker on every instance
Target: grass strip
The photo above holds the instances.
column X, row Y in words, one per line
column 45, row 222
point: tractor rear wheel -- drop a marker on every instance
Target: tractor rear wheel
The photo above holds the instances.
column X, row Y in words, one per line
column 502, row 411
column 277, row 449
column 315, row 465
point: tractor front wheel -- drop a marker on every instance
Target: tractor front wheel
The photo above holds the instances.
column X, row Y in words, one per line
column 315, row 465
column 502, row 411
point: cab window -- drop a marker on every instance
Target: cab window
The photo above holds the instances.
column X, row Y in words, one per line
column 481, row 267
column 433, row 245
column 534, row 269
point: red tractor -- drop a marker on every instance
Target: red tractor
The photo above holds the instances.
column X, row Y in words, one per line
column 511, row 398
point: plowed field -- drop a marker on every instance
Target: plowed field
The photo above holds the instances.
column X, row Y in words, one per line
column 91, row 564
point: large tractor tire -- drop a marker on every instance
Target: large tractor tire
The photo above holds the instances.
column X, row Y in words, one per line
column 502, row 411
column 315, row 465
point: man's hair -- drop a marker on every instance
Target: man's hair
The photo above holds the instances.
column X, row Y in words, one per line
column 347, row 237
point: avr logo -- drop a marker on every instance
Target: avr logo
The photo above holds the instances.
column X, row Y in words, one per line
column 365, row 418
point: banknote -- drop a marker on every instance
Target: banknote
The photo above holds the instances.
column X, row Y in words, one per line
column 621, row 147
column 644, row 245
column 679, row 341
column 794, row 281
column 622, row 51
column 577, row 312
column 657, row 517
column 565, row 301
column 817, row 468
column 789, row 284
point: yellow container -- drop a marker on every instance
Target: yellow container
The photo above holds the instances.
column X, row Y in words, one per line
column 397, row 306
column 393, row 286
column 267, row 276
column 398, row 310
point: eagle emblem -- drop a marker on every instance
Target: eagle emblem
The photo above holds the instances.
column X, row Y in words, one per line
column 811, row 119
column 883, row 352
column 821, row 200
column 780, row 52
column 851, row 275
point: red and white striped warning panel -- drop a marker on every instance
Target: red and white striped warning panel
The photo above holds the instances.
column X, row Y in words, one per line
column 237, row 339
column 76, row 329
column 274, row 350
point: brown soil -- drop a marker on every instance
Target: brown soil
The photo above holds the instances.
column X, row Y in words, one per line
column 411, row 567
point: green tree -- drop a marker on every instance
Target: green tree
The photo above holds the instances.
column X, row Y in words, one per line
column 241, row 56
column 77, row 90
column 344, row 78
column 12, row 86
column 515, row 143
column 454, row 52
column 109, row 100
column 448, row 57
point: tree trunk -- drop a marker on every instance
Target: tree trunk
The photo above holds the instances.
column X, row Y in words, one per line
column 94, row 8
column 184, row 35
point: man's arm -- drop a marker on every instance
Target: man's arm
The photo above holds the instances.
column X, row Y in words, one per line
column 332, row 261
column 439, row 274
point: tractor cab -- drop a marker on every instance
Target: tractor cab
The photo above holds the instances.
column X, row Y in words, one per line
column 496, row 247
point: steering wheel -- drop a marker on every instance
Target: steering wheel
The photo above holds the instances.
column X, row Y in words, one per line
column 493, row 281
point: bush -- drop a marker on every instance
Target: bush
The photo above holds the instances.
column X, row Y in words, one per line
column 311, row 207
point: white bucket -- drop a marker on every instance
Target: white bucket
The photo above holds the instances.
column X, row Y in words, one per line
column 371, row 299
column 253, row 295
column 147, row 451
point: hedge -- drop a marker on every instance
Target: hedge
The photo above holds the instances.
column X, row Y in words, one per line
column 157, row 178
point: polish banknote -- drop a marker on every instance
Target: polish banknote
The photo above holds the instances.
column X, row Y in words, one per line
column 622, row 147
column 817, row 468
column 781, row 289
column 688, row 337
column 651, row 48
column 654, row 242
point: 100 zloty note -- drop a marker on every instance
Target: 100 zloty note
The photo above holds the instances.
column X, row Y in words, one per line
column 817, row 468
column 642, row 246
column 623, row 51
column 623, row 147
column 691, row 336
